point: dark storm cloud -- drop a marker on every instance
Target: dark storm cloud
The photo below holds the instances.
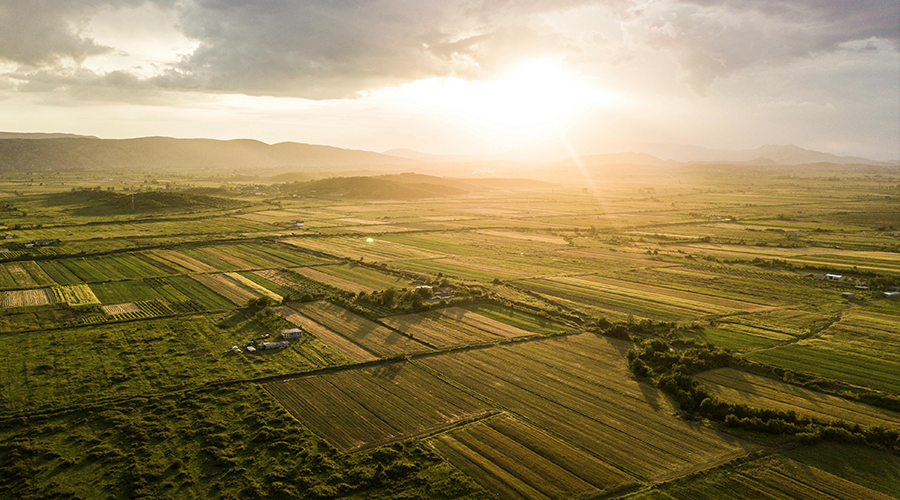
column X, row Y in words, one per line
column 38, row 32
column 337, row 48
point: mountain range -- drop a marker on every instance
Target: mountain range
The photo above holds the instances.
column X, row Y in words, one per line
column 22, row 152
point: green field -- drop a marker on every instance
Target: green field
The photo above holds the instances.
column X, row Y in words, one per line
column 95, row 362
column 126, row 369
column 760, row 392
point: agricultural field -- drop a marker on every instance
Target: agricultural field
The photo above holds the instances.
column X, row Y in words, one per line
column 359, row 277
column 575, row 389
column 27, row 298
column 860, row 348
column 739, row 387
column 94, row 362
column 452, row 327
column 135, row 360
column 360, row 408
column 518, row 461
column 361, row 332
column 75, row 295
column 775, row 478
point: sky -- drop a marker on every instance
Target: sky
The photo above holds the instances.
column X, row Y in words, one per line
column 520, row 79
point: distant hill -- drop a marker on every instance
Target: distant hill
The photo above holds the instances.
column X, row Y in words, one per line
column 155, row 153
column 41, row 135
column 768, row 154
column 617, row 159
column 91, row 202
column 401, row 186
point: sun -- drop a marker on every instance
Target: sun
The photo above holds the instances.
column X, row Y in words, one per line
column 532, row 98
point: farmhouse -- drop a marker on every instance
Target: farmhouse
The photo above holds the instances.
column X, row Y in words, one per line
column 834, row 277
column 298, row 223
column 846, row 295
column 9, row 236
column 250, row 348
column 291, row 333
column 892, row 295
column 272, row 345
column 236, row 349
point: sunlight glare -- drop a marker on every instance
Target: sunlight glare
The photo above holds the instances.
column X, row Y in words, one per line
column 536, row 97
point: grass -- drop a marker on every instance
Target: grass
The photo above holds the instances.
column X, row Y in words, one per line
column 225, row 443
column 93, row 362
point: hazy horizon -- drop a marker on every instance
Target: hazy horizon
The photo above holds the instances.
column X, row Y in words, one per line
column 518, row 80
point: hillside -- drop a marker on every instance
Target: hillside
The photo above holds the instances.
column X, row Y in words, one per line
column 402, row 186
column 154, row 153
column 91, row 203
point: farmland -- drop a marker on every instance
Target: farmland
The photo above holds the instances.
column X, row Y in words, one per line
column 361, row 408
column 732, row 385
column 469, row 346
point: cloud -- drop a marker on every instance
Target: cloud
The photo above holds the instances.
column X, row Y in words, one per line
column 711, row 39
column 324, row 49
column 40, row 32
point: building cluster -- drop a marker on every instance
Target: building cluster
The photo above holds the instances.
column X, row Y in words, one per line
column 286, row 334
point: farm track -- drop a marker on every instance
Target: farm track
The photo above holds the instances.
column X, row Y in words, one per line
column 797, row 339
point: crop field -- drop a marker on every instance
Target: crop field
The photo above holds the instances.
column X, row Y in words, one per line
column 265, row 256
column 256, row 287
column 114, row 292
column 577, row 389
column 467, row 317
column 18, row 274
column 189, row 292
column 27, row 298
column 364, row 407
column 91, row 362
column 213, row 254
column 126, row 371
column 739, row 387
column 355, row 248
column 127, row 307
column 739, row 337
column 773, row 478
column 517, row 461
column 188, row 263
column 316, row 274
column 518, row 319
column 363, row 333
column 233, row 290
column 440, row 330
column 878, row 470
column 336, row 341
column 362, row 276
column 75, row 295
column 290, row 281
column 626, row 298
column 862, row 348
